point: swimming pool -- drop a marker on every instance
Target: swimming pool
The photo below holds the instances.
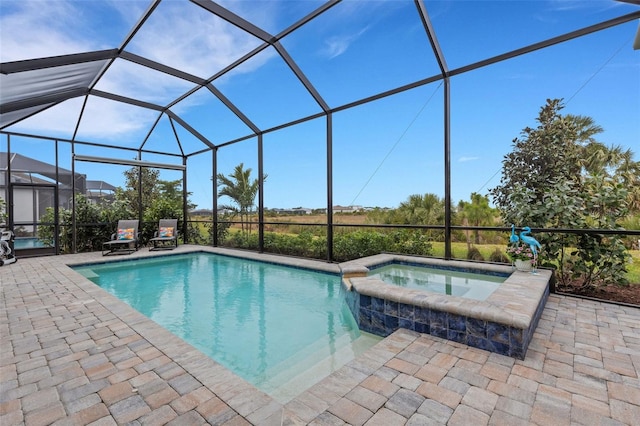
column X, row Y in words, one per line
column 21, row 243
column 472, row 285
column 280, row 328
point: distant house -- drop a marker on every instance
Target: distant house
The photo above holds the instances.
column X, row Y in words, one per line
column 99, row 191
column 296, row 210
column 208, row 212
column 348, row 209
column 29, row 171
column 35, row 186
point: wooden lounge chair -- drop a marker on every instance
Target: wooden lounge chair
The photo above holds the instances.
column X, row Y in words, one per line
column 166, row 237
column 125, row 240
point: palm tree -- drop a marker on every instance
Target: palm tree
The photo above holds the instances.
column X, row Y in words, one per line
column 239, row 187
column 477, row 213
column 427, row 209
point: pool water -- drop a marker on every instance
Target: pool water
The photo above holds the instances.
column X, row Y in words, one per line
column 28, row 243
column 471, row 285
column 280, row 328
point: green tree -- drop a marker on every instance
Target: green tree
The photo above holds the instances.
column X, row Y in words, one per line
column 161, row 199
column 3, row 209
column 559, row 176
column 91, row 230
column 242, row 190
column 478, row 212
column 150, row 187
column 427, row 209
column 542, row 156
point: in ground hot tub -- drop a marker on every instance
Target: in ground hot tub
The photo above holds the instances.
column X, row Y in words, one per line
column 503, row 322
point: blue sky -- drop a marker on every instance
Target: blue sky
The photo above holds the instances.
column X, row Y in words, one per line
column 383, row 151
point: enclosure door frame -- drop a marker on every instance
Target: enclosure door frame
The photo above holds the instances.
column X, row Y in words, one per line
column 35, row 222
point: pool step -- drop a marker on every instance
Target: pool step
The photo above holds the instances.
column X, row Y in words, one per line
column 313, row 364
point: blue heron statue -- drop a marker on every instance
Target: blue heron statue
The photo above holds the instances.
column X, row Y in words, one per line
column 513, row 238
column 527, row 239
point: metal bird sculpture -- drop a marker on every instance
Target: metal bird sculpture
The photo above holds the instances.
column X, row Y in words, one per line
column 513, row 238
column 527, row 239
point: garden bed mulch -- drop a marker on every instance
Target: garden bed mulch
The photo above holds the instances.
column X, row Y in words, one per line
column 613, row 293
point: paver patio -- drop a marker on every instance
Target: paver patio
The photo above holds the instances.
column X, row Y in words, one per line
column 73, row 354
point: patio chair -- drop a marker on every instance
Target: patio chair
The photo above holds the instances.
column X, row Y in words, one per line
column 125, row 240
column 166, row 237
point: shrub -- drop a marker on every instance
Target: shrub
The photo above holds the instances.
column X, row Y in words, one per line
column 474, row 254
column 498, row 256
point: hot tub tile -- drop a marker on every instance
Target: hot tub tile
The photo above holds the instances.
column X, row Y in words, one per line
column 437, row 331
column 456, row 322
column 500, row 348
column 479, row 342
column 438, row 319
column 421, row 328
column 476, row 327
column 390, row 323
column 421, row 315
column 364, row 318
column 498, row 333
column 406, row 323
column 365, row 301
column 391, row 308
column 516, row 336
column 377, row 321
column 377, row 305
column 406, row 311
column 457, row 336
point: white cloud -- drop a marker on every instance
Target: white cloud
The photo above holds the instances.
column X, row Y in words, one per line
column 133, row 81
column 189, row 38
column 337, row 45
column 466, row 159
column 179, row 34
column 35, row 29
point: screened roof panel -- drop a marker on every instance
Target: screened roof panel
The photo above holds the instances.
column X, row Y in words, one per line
column 266, row 83
column 14, row 116
column 58, row 121
column 119, row 123
column 209, row 116
column 485, row 29
column 38, row 29
column 353, row 47
column 131, row 80
column 189, row 142
column 32, row 87
column 162, row 138
column 175, row 139
column 272, row 16
column 185, row 36
column 351, row 51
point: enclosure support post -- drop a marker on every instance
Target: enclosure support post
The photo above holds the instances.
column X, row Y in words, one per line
column 185, row 207
column 9, row 206
column 329, row 187
column 73, row 199
column 214, row 207
column 260, row 195
column 56, row 207
column 447, row 170
column 140, row 207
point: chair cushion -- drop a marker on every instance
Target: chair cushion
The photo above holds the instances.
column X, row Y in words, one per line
column 125, row 234
column 165, row 232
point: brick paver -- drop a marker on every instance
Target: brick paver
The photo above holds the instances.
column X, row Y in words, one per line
column 73, row 354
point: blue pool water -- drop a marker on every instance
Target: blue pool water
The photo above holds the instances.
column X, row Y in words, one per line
column 21, row 243
column 475, row 286
column 280, row 328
